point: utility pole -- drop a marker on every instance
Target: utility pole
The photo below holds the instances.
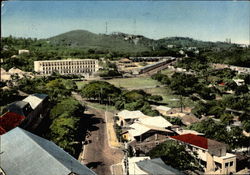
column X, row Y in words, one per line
column 134, row 26
column 106, row 24
column 126, row 163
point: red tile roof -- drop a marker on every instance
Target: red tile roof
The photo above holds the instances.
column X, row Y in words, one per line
column 10, row 120
column 193, row 139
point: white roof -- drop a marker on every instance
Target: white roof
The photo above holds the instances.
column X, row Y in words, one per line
column 125, row 114
column 164, row 108
column 158, row 121
column 15, row 70
column 133, row 167
column 137, row 129
column 185, row 131
column 33, row 100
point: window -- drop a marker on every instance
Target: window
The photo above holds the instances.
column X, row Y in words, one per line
column 231, row 163
column 226, row 164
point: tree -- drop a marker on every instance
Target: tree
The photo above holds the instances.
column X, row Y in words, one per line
column 100, row 90
column 175, row 155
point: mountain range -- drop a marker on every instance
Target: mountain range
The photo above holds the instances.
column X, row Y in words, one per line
column 126, row 42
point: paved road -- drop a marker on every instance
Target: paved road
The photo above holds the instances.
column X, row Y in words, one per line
column 98, row 155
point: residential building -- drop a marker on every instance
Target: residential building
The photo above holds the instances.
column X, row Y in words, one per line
column 162, row 109
column 142, row 138
column 239, row 82
column 10, row 120
column 212, row 154
column 22, row 51
column 126, row 117
column 39, row 104
column 84, row 67
column 157, row 121
column 146, row 166
column 33, row 108
column 23, row 153
column 180, row 131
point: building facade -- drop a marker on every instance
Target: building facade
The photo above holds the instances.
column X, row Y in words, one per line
column 212, row 155
column 67, row 67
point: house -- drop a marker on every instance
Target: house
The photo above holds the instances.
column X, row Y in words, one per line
column 22, row 51
column 157, row 166
column 162, row 109
column 142, row 138
column 126, row 117
column 186, row 118
column 34, row 155
column 146, row 166
column 157, row 121
column 33, row 108
column 10, row 120
column 239, row 82
column 181, row 131
column 212, row 154
column 39, row 104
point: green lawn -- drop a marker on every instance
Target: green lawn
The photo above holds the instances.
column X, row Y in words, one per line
column 138, row 82
column 169, row 98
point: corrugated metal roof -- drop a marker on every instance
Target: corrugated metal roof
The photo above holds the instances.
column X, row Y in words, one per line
column 27, row 154
column 157, row 166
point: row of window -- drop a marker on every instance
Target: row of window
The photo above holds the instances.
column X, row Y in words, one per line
column 68, row 71
column 67, row 63
column 71, row 67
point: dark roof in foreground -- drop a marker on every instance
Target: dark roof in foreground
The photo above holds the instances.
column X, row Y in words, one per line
column 24, row 153
column 199, row 141
column 157, row 166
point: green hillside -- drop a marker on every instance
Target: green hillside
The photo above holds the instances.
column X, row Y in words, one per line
column 87, row 40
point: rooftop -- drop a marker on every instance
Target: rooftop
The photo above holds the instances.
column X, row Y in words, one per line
column 34, row 155
column 35, row 99
column 125, row 114
column 155, row 121
column 9, row 120
column 164, row 108
column 198, row 141
column 20, row 107
column 157, row 166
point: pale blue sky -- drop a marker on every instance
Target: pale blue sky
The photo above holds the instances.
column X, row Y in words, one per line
column 203, row 20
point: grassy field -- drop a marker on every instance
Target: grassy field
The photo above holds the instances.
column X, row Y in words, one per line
column 140, row 82
column 148, row 85
column 169, row 98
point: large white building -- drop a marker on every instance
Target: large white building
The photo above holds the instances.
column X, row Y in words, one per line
column 69, row 66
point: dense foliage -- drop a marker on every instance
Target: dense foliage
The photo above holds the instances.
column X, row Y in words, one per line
column 65, row 123
column 175, row 155
column 219, row 132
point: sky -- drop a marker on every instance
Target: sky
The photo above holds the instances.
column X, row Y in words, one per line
column 202, row 20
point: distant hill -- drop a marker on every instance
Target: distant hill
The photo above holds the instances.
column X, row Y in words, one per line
column 126, row 42
column 88, row 40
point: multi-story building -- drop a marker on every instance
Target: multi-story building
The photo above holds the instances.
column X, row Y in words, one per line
column 212, row 154
column 70, row 66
